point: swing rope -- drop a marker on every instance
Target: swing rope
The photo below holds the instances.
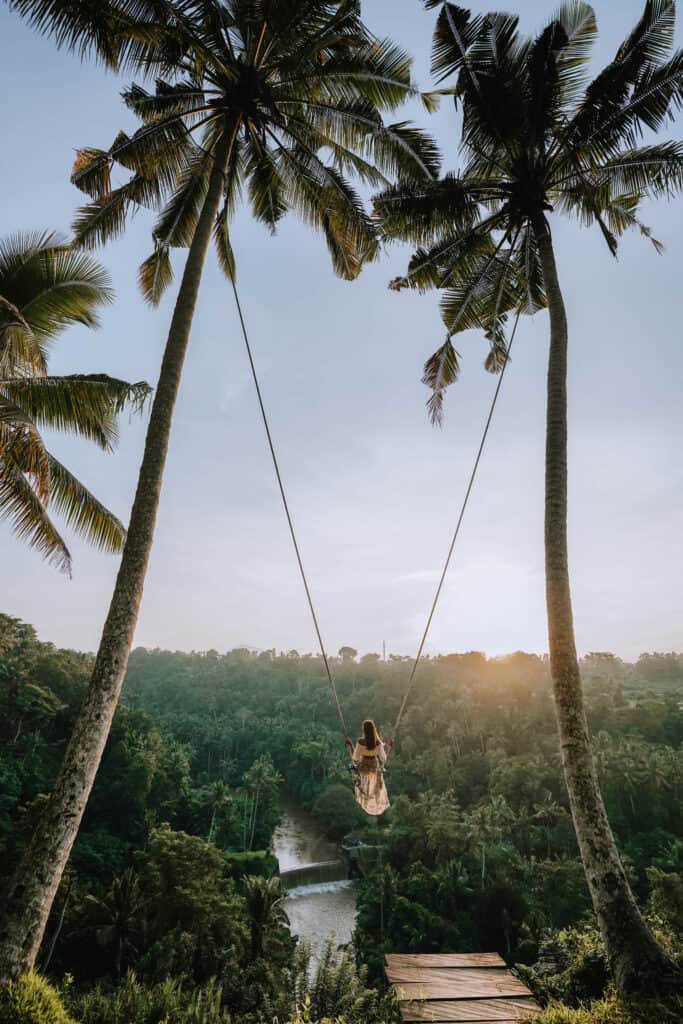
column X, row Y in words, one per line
column 456, row 532
column 297, row 551
column 290, row 522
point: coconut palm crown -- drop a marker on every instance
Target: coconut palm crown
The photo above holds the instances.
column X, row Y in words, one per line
column 44, row 287
column 277, row 85
column 537, row 137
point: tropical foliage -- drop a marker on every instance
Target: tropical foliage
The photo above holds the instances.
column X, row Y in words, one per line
column 478, row 850
column 44, row 286
column 281, row 89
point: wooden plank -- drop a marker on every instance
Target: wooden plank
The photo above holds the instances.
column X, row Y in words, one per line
column 446, row 960
column 482, row 987
column 459, row 984
column 442, row 975
column 435, row 993
column 469, row 1010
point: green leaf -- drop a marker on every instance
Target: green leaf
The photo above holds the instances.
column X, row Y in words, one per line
column 82, row 512
column 86, row 405
column 28, row 517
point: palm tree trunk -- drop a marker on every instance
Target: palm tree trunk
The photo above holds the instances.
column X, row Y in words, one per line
column 637, row 961
column 31, row 892
column 212, row 826
column 253, row 822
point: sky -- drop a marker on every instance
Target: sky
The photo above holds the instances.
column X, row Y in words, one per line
column 374, row 488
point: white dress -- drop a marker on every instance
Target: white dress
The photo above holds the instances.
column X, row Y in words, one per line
column 370, row 791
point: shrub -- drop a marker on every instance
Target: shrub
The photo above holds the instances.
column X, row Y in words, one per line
column 251, row 862
column 167, row 1002
column 612, row 1010
column 572, row 967
column 31, row 1000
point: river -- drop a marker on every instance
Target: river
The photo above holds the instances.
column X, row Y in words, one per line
column 318, row 910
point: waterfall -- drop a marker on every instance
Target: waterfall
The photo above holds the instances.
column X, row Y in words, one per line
column 315, row 874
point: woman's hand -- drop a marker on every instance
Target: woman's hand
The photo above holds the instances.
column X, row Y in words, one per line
column 349, row 743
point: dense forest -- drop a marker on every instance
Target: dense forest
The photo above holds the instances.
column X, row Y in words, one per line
column 172, row 877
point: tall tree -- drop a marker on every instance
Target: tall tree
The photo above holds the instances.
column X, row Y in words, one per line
column 45, row 286
column 538, row 138
column 282, row 100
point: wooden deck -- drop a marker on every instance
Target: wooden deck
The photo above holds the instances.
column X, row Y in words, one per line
column 452, row 988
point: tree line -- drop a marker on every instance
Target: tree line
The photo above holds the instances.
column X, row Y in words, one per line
column 478, row 850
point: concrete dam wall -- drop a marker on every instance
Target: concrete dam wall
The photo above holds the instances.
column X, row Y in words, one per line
column 314, row 874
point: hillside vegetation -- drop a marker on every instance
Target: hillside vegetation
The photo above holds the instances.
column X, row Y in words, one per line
column 169, row 877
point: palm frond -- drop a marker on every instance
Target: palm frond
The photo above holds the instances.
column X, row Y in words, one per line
column 20, row 350
column 224, row 250
column 545, row 87
column 652, row 38
column 652, row 103
column 170, row 100
column 21, row 442
column 86, row 405
column 655, row 170
column 440, row 371
column 436, row 266
column 647, row 46
column 419, row 211
column 28, row 517
column 51, row 284
column 266, row 185
column 93, row 27
column 91, row 172
column 456, row 30
column 155, row 275
column 81, row 510
column 104, row 219
column 175, row 227
column 577, row 18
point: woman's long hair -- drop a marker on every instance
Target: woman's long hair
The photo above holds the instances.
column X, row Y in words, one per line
column 370, row 738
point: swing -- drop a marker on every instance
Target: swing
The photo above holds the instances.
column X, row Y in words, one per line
column 366, row 798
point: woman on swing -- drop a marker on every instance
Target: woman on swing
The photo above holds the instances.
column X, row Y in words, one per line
column 368, row 757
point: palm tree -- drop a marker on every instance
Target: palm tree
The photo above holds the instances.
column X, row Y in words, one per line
column 263, row 782
column 548, row 812
column 266, row 908
column 117, row 917
column 44, row 287
column 248, row 95
column 537, row 138
column 486, row 825
column 219, row 796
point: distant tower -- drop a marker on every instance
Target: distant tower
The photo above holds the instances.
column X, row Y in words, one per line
column 384, row 650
